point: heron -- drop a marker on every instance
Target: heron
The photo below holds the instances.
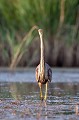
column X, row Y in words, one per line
column 43, row 70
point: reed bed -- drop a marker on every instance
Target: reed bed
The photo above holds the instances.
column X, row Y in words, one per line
column 61, row 32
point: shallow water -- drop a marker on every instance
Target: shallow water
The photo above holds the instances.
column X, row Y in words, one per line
column 20, row 98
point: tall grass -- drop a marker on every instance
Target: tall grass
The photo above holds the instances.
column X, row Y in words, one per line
column 17, row 17
column 22, row 14
column 22, row 47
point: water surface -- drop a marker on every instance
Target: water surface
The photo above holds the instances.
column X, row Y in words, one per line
column 20, row 98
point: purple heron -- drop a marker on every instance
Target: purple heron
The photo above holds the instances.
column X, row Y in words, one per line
column 43, row 70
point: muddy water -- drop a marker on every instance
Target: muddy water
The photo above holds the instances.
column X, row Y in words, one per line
column 20, row 98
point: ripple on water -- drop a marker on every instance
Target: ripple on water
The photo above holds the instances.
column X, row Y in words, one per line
column 21, row 100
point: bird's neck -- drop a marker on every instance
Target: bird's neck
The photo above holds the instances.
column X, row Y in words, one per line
column 42, row 59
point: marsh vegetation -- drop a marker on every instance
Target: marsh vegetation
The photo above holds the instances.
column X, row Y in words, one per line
column 58, row 19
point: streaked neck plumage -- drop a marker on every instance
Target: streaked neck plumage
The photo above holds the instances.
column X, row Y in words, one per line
column 42, row 62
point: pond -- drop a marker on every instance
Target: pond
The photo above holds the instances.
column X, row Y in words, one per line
column 20, row 98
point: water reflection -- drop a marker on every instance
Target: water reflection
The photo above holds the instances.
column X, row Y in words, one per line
column 22, row 101
column 25, row 90
column 77, row 109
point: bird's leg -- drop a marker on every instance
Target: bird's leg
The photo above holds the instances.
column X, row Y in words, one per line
column 41, row 95
column 46, row 92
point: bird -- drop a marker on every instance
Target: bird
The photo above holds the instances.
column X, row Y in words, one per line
column 43, row 70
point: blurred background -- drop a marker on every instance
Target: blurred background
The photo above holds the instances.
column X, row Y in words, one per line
column 58, row 18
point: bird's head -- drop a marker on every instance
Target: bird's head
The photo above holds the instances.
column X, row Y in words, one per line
column 40, row 31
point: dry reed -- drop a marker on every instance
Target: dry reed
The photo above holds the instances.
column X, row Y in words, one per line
column 24, row 44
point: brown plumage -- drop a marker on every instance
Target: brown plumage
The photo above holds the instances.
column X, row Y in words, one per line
column 43, row 70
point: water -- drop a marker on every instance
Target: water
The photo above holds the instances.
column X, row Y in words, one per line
column 20, row 98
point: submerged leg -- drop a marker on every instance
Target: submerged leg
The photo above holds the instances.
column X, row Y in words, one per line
column 46, row 92
column 41, row 95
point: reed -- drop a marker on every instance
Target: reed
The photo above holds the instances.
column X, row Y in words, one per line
column 22, row 14
column 22, row 47
column 19, row 16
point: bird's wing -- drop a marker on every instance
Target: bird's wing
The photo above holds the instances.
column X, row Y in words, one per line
column 50, row 74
